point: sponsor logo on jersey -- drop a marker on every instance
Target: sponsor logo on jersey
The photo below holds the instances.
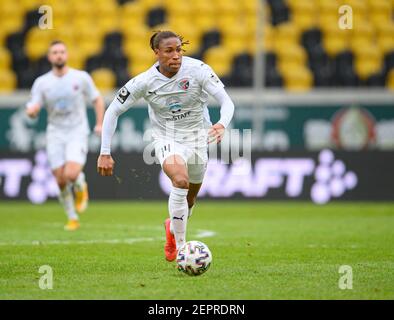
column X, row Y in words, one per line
column 174, row 104
column 180, row 116
column 122, row 95
column 184, row 84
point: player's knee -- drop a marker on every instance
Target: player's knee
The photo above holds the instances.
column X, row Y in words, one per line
column 180, row 181
column 71, row 175
column 61, row 182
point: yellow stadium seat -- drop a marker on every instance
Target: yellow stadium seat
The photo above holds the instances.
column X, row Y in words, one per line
column 250, row 22
column 10, row 24
column 334, row 45
column 299, row 5
column 297, row 78
column 178, row 22
column 328, row 22
column 152, row 3
column 85, row 31
column 204, row 8
column 390, row 80
column 293, row 54
column 83, row 9
column 37, row 42
column 358, row 6
column 7, row 81
column 235, row 39
column 90, row 47
column 5, row 59
column 358, row 44
column 368, row 61
column 205, row 22
column 61, row 11
column 220, row 59
column 77, row 62
column 140, row 61
column 11, row 9
column 380, row 5
column 75, row 58
column 304, row 13
column 285, row 34
column 335, row 39
column 228, row 22
column 108, row 24
column 104, row 79
column 305, row 20
column 29, row 4
column 380, row 18
column 132, row 48
column 179, row 8
column 66, row 34
column 364, row 29
column 267, row 43
column 228, row 7
column 328, row 7
column 193, row 37
column 386, row 44
column 133, row 12
column 133, row 29
column 250, row 7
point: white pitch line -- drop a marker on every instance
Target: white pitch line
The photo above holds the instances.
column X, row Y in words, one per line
column 200, row 234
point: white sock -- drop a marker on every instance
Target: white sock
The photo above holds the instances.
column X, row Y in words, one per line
column 178, row 208
column 67, row 201
column 190, row 211
column 188, row 216
column 80, row 182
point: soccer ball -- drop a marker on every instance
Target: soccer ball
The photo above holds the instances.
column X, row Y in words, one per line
column 194, row 258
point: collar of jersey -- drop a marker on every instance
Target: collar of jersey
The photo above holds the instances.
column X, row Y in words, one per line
column 168, row 81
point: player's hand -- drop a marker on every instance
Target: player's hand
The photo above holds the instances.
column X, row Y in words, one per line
column 33, row 110
column 97, row 129
column 216, row 133
column 105, row 165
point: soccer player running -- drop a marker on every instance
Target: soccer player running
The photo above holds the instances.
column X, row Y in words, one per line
column 176, row 89
column 64, row 92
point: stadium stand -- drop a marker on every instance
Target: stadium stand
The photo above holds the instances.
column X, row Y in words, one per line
column 302, row 43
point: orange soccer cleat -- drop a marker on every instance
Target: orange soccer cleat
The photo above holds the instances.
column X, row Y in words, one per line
column 170, row 246
column 81, row 199
column 72, row 225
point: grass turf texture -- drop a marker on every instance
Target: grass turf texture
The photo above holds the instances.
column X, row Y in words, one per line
column 260, row 251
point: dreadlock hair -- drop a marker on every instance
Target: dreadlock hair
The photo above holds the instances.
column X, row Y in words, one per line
column 158, row 36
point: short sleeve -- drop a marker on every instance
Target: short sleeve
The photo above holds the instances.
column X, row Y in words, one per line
column 210, row 81
column 36, row 94
column 91, row 90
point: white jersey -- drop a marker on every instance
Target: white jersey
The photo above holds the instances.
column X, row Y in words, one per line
column 65, row 99
column 178, row 105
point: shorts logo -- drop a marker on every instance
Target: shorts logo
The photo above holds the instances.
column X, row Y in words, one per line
column 122, row 95
column 184, row 84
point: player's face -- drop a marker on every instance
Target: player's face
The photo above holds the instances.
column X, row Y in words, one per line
column 169, row 54
column 57, row 55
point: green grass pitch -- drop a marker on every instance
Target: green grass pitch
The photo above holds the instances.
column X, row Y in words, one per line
column 260, row 251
